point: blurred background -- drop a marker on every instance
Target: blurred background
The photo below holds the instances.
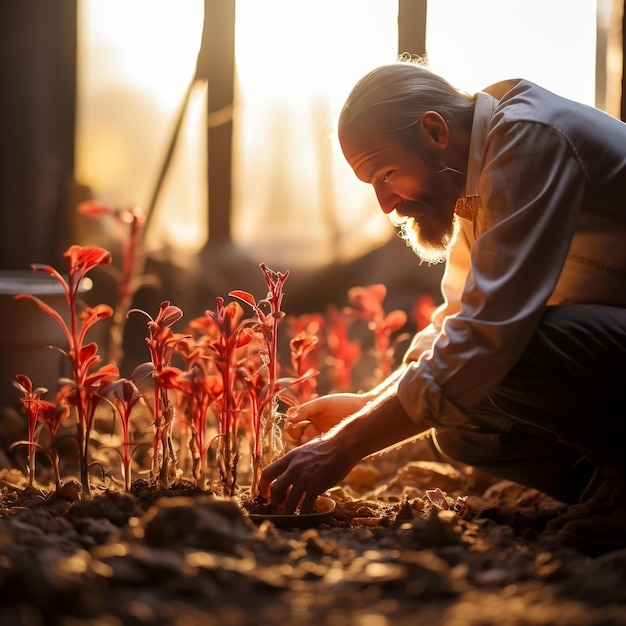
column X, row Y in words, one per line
column 217, row 118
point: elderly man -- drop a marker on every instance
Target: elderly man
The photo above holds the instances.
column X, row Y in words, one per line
column 521, row 372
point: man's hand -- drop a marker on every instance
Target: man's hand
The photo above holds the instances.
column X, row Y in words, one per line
column 296, row 479
column 313, row 418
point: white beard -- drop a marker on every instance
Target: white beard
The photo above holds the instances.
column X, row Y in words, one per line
column 431, row 253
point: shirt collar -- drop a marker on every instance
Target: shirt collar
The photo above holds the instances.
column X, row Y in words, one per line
column 484, row 108
column 485, row 104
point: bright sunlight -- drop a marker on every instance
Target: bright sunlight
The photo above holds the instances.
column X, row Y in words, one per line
column 295, row 199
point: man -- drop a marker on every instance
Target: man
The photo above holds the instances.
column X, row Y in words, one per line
column 521, row 373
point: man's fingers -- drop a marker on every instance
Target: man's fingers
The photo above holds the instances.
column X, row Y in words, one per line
column 296, row 415
column 276, row 484
column 295, row 430
column 309, row 432
column 308, row 502
column 270, row 473
column 292, row 500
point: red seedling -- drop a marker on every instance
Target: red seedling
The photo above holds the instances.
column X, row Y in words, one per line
column 367, row 303
column 162, row 343
column 227, row 334
column 343, row 352
column 302, row 386
column 129, row 222
column 79, row 390
column 30, row 400
column 267, row 445
column 47, row 413
column 423, row 309
column 123, row 395
column 199, row 392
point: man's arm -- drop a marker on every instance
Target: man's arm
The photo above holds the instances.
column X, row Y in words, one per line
column 296, row 479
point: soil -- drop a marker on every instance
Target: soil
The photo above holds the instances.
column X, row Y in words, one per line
column 386, row 555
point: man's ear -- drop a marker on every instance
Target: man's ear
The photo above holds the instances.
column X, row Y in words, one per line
column 435, row 128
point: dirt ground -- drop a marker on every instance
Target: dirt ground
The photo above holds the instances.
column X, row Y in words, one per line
column 385, row 556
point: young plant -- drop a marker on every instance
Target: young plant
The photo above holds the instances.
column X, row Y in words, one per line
column 83, row 393
column 162, row 343
column 307, row 352
column 47, row 413
column 81, row 389
column 123, row 394
column 227, row 334
column 31, row 401
column 302, row 385
column 343, row 352
column 129, row 222
column 268, row 443
column 367, row 303
column 253, row 377
column 199, row 392
column 52, row 416
column 423, row 308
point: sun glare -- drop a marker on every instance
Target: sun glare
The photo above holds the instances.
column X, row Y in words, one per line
column 473, row 44
column 136, row 58
column 293, row 194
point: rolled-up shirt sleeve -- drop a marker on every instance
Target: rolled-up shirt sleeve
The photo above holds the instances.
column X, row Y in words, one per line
column 532, row 187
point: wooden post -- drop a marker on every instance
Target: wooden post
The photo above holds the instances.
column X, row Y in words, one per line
column 37, row 110
column 412, row 27
column 216, row 64
column 623, row 104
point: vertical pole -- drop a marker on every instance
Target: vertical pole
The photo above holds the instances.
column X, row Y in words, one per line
column 412, row 27
column 603, row 17
column 37, row 111
column 216, row 64
column 623, row 103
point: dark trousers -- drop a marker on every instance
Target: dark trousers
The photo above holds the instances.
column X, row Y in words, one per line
column 558, row 414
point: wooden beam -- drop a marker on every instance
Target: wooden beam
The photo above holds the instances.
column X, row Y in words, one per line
column 623, row 104
column 412, row 27
column 37, row 111
column 216, row 64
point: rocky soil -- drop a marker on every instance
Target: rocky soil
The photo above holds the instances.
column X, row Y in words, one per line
column 386, row 556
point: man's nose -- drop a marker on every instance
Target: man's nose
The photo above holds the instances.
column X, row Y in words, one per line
column 387, row 200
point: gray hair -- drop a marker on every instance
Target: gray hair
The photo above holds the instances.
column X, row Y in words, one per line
column 395, row 96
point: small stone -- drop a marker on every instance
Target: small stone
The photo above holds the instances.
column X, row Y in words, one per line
column 72, row 491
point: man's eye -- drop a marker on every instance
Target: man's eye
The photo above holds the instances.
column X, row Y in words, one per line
column 386, row 176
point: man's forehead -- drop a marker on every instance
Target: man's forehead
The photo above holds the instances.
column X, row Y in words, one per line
column 363, row 148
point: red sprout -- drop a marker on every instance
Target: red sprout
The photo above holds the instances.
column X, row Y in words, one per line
column 123, row 395
column 367, row 303
column 162, row 344
column 81, row 260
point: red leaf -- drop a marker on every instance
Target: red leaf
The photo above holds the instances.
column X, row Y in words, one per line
column 142, row 371
column 94, row 209
column 395, row 320
column 82, row 259
column 245, row 296
column 168, row 314
column 24, row 383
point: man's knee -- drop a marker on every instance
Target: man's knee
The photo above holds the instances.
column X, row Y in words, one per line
column 584, row 325
column 473, row 447
column 571, row 338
